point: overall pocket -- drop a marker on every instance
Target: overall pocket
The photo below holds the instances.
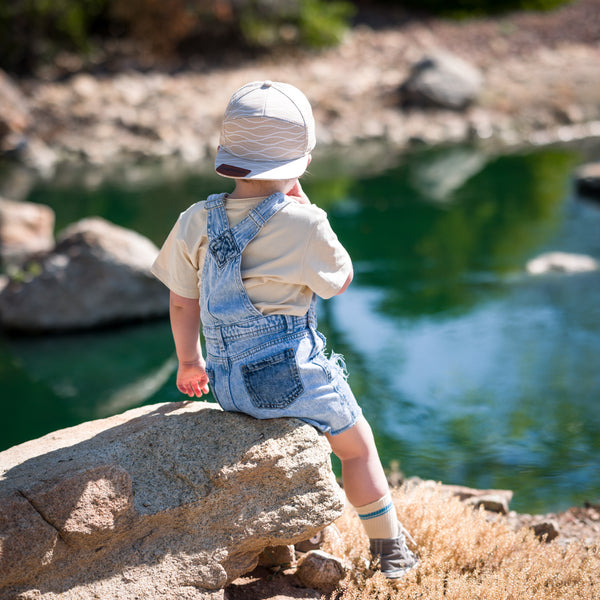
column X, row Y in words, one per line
column 273, row 382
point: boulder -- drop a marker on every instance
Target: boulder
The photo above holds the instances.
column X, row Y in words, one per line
column 442, row 80
column 169, row 501
column 15, row 116
column 587, row 180
column 490, row 500
column 25, row 228
column 561, row 262
column 97, row 274
column 471, row 495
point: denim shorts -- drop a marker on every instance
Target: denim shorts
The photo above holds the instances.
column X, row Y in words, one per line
column 284, row 373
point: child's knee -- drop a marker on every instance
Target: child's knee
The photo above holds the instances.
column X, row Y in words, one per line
column 354, row 443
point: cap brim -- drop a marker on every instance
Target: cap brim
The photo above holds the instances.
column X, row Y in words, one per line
column 228, row 165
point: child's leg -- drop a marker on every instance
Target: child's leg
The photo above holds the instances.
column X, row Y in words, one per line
column 366, row 488
column 362, row 473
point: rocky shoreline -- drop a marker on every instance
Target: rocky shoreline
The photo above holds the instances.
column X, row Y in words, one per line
column 537, row 73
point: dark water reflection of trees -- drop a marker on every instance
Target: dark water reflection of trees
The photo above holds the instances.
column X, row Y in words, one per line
column 422, row 249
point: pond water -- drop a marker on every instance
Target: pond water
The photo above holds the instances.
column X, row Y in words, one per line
column 469, row 370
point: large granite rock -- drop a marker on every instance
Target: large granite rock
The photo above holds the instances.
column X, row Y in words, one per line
column 97, row 274
column 442, row 80
column 169, row 501
column 25, row 228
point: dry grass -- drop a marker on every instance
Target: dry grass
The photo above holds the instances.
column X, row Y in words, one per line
column 465, row 556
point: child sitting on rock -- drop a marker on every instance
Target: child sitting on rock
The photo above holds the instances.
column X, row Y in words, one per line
column 249, row 265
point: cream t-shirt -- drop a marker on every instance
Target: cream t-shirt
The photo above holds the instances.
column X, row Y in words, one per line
column 295, row 254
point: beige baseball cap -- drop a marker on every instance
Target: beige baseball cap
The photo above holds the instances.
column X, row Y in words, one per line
column 268, row 132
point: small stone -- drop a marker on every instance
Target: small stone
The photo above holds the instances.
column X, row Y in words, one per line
column 85, row 86
column 321, row 571
column 546, row 531
column 277, row 556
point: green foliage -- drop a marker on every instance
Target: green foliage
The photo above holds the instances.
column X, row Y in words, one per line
column 480, row 7
column 34, row 31
column 26, row 273
column 323, row 23
column 311, row 23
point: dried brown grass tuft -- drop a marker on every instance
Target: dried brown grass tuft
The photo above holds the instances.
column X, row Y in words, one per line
column 466, row 556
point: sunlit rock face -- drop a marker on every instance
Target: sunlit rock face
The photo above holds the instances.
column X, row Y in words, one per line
column 164, row 501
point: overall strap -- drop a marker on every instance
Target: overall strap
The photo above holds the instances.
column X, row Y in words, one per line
column 216, row 219
column 247, row 229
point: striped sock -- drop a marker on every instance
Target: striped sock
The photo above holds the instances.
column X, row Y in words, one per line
column 379, row 518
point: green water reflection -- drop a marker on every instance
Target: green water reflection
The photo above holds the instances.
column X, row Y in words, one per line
column 53, row 382
column 469, row 370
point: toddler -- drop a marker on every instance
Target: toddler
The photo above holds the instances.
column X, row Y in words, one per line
column 248, row 266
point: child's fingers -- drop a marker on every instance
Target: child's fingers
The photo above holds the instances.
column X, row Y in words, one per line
column 193, row 388
column 296, row 189
column 298, row 193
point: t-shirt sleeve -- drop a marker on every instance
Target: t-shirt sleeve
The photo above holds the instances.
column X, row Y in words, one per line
column 326, row 264
column 177, row 263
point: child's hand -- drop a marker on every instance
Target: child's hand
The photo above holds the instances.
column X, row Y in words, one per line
column 192, row 379
column 298, row 194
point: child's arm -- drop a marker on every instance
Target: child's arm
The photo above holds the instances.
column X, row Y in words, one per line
column 185, row 325
column 348, row 281
column 298, row 194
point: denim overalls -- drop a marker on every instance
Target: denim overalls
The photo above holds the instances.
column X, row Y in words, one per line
column 266, row 366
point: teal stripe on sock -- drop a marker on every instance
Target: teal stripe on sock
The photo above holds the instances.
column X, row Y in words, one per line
column 377, row 513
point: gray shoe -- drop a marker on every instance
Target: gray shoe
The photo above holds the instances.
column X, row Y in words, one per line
column 393, row 555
